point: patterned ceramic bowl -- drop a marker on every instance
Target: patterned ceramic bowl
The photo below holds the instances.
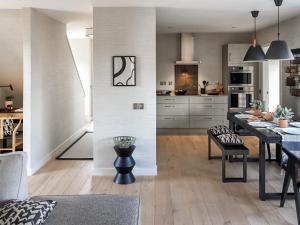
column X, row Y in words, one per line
column 124, row 141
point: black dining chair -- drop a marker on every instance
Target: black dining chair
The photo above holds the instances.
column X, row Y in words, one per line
column 292, row 174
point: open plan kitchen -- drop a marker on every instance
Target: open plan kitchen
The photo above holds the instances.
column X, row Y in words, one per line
column 206, row 78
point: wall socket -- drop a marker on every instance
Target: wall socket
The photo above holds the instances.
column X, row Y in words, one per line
column 138, row 106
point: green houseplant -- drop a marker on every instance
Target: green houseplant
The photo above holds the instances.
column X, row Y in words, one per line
column 258, row 107
column 283, row 114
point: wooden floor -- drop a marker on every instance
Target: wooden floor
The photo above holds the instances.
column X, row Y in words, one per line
column 188, row 189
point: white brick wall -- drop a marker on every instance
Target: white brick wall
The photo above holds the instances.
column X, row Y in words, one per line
column 124, row 31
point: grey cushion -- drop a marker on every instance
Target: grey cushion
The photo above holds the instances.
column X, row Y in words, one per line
column 93, row 210
column 13, row 176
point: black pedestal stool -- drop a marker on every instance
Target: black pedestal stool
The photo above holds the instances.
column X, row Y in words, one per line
column 124, row 164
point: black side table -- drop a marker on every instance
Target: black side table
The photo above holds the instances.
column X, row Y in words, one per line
column 124, row 164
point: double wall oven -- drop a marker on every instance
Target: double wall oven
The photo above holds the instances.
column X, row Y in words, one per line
column 240, row 87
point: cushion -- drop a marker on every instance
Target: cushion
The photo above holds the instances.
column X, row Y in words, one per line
column 16, row 212
column 13, row 176
column 220, row 129
column 8, row 127
column 230, row 139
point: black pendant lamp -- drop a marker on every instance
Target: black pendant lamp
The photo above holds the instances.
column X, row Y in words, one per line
column 279, row 49
column 255, row 52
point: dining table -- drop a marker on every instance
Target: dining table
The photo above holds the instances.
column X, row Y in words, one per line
column 271, row 134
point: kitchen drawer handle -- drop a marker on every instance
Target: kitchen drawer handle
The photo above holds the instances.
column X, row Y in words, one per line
column 168, row 118
column 208, row 118
column 208, row 106
column 169, row 99
column 169, row 106
column 208, row 99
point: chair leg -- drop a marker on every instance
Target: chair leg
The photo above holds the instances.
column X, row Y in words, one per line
column 269, row 152
column 294, row 175
column 286, row 183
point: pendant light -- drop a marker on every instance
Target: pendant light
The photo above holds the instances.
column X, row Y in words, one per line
column 279, row 49
column 255, row 52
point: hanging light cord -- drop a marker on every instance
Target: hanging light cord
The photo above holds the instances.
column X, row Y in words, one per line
column 254, row 41
column 278, row 34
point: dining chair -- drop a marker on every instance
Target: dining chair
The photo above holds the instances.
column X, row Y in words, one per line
column 10, row 131
column 292, row 174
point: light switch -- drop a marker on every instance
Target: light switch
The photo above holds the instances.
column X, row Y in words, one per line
column 138, row 106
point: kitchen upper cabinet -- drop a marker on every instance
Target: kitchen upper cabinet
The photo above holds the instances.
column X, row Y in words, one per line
column 236, row 53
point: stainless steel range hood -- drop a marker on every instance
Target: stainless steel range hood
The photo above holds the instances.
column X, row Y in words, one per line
column 187, row 50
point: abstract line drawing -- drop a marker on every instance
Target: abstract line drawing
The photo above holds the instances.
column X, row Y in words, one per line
column 124, row 71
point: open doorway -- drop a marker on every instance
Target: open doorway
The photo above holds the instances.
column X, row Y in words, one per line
column 11, row 81
column 271, row 83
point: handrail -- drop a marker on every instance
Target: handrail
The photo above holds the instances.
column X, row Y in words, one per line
column 75, row 65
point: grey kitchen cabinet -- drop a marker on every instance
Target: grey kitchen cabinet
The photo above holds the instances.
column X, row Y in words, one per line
column 236, row 53
column 183, row 112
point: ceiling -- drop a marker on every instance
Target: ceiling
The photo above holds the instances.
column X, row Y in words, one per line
column 173, row 16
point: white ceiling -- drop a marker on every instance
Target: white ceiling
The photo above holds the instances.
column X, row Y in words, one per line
column 172, row 15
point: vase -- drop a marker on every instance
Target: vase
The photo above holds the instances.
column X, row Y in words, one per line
column 283, row 123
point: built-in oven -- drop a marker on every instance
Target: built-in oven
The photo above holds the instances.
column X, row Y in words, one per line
column 240, row 97
column 241, row 76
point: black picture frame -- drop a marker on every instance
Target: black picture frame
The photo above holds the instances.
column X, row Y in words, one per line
column 124, row 71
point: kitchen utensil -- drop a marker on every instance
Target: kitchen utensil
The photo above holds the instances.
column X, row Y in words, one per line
column 180, row 92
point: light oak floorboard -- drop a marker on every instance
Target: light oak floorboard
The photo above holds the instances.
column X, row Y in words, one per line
column 187, row 191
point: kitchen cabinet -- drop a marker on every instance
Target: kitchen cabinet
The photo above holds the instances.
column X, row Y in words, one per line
column 236, row 53
column 195, row 112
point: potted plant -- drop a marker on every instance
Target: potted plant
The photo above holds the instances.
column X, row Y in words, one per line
column 283, row 114
column 258, row 107
column 9, row 102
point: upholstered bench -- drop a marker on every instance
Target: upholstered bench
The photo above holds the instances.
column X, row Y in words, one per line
column 227, row 151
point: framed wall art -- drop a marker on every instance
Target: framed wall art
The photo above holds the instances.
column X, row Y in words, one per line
column 124, row 71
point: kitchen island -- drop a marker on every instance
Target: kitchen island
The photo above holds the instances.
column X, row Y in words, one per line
column 191, row 113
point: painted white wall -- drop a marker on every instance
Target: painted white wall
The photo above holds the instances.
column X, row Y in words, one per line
column 82, row 52
column 53, row 96
column 11, row 55
column 289, row 31
column 124, row 31
column 208, row 50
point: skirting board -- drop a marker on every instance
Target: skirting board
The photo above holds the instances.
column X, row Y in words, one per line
column 57, row 151
column 150, row 171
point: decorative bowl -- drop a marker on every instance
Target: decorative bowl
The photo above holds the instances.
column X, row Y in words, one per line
column 124, row 141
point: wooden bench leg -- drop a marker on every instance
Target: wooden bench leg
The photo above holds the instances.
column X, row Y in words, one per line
column 223, row 167
column 209, row 148
column 234, row 179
